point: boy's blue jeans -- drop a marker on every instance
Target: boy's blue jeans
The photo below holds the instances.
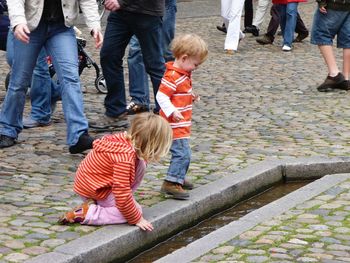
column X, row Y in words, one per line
column 60, row 42
column 180, row 161
column 43, row 90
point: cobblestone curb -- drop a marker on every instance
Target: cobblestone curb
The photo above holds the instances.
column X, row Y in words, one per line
column 116, row 242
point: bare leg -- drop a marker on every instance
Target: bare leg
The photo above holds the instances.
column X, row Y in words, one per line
column 329, row 58
column 346, row 63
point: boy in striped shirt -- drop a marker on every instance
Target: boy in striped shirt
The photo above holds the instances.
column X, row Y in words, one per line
column 175, row 97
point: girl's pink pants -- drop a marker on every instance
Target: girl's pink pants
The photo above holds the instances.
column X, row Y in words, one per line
column 105, row 212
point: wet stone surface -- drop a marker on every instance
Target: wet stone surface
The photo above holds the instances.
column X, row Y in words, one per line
column 259, row 103
column 324, row 241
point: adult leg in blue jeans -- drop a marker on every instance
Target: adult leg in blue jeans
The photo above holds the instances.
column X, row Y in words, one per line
column 61, row 45
column 44, row 92
column 288, row 19
column 138, row 79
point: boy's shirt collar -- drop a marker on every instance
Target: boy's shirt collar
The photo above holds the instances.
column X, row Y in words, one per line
column 170, row 66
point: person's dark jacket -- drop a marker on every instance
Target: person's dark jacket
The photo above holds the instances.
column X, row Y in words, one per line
column 148, row 7
column 339, row 5
column 4, row 25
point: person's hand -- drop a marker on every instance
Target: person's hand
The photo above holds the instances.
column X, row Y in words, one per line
column 195, row 97
column 177, row 116
column 144, row 225
column 97, row 35
column 22, row 33
column 323, row 10
column 112, row 5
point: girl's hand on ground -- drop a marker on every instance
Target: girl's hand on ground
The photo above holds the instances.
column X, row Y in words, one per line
column 177, row 116
column 22, row 33
column 97, row 35
column 144, row 224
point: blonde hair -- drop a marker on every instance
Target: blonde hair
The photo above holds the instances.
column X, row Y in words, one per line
column 191, row 45
column 151, row 135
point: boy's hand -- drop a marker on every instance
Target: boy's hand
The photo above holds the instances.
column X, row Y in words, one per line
column 144, row 224
column 177, row 116
column 195, row 97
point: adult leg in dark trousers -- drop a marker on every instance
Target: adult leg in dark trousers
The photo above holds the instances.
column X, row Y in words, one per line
column 274, row 23
column 248, row 13
column 248, row 19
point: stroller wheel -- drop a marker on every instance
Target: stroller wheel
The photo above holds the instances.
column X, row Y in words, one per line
column 7, row 80
column 100, row 84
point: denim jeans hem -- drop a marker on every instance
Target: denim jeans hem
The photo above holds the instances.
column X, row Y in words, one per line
column 321, row 43
column 174, row 179
column 9, row 134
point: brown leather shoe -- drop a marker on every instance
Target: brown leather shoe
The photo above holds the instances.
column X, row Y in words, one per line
column 187, row 185
column 174, row 190
column 264, row 40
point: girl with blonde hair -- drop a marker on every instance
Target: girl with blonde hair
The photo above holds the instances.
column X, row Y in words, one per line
column 109, row 175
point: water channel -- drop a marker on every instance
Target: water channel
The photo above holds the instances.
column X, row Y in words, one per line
column 216, row 221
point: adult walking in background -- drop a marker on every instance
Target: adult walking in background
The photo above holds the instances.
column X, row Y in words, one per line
column 49, row 24
column 130, row 17
column 332, row 18
column 288, row 11
column 231, row 11
column 274, row 24
column 138, row 78
column 44, row 91
column 248, row 18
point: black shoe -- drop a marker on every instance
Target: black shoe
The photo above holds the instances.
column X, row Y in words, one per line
column 6, row 141
column 252, row 29
column 332, row 83
column 222, row 28
column 84, row 143
column 301, row 36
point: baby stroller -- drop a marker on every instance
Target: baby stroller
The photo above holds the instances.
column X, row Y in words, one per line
column 85, row 61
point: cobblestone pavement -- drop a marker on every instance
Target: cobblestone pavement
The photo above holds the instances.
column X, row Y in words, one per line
column 316, row 231
column 259, row 103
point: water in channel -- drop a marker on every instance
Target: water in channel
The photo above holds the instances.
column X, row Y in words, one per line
column 216, row 221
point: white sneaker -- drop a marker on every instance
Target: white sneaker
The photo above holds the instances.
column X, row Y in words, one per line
column 286, row 48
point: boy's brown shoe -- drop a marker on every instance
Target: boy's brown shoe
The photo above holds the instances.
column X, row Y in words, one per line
column 175, row 190
column 332, row 83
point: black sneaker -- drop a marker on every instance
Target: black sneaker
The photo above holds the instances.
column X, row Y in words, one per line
column 252, row 29
column 106, row 122
column 6, row 141
column 134, row 108
column 332, row 83
column 222, row 28
column 84, row 143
